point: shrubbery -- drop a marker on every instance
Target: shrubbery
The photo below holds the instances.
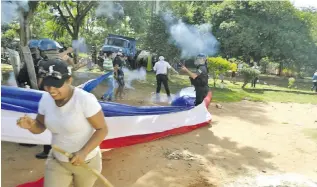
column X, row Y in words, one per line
column 217, row 66
column 248, row 75
column 291, row 82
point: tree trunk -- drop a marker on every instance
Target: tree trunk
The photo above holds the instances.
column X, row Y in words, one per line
column 75, row 37
column 280, row 68
column 25, row 32
column 30, row 66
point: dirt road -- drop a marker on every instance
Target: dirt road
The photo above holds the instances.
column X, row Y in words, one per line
column 246, row 139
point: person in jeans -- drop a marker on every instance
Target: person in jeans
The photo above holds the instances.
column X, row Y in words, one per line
column 108, row 67
column 118, row 64
column 77, row 123
column 160, row 69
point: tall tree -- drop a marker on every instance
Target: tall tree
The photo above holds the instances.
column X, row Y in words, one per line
column 72, row 14
column 257, row 29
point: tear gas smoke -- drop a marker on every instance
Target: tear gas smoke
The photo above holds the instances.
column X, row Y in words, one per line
column 191, row 39
column 109, row 9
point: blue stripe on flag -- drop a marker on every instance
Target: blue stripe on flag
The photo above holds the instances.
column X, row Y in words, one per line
column 26, row 100
column 92, row 84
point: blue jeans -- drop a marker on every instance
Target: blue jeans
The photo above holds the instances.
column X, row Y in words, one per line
column 110, row 82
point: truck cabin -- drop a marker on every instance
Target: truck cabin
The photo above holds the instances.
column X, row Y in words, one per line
column 119, row 42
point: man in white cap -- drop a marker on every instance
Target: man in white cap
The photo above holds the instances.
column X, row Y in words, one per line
column 161, row 68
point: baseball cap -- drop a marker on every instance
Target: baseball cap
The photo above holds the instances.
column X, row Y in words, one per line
column 161, row 58
column 55, row 72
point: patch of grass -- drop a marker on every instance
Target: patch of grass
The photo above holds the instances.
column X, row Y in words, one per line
column 265, row 93
column 83, row 55
column 6, row 67
column 311, row 133
column 230, row 93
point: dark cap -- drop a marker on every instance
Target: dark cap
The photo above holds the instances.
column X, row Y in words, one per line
column 55, row 72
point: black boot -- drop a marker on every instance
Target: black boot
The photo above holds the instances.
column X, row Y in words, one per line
column 41, row 155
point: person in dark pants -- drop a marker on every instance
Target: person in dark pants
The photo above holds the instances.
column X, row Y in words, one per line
column 314, row 82
column 118, row 63
column 255, row 80
column 199, row 79
column 161, row 68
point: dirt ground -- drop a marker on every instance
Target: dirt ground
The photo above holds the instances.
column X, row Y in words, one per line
column 245, row 139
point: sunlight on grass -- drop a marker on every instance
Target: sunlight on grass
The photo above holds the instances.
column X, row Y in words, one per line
column 6, row 67
column 265, row 93
column 311, row 133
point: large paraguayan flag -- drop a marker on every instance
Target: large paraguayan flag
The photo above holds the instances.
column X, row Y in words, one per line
column 128, row 125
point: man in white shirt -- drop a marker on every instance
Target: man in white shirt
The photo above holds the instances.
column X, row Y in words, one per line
column 161, row 68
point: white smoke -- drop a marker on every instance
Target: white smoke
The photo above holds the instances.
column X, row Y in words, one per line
column 79, row 45
column 11, row 11
column 191, row 39
column 109, row 9
column 277, row 180
column 131, row 75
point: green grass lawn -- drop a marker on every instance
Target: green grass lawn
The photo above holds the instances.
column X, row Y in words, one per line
column 311, row 133
column 233, row 92
column 230, row 93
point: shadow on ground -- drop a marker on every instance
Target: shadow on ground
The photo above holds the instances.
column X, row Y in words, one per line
column 208, row 154
column 252, row 112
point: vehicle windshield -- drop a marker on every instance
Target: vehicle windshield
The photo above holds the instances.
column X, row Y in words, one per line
column 117, row 42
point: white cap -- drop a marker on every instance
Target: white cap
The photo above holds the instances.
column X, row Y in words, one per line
column 161, row 58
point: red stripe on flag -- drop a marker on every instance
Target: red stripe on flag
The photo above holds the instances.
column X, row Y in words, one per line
column 136, row 139
column 130, row 140
column 38, row 183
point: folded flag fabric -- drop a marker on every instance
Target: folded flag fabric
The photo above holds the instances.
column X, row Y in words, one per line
column 128, row 125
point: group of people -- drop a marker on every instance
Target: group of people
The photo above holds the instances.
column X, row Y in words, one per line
column 199, row 78
column 114, row 62
column 74, row 117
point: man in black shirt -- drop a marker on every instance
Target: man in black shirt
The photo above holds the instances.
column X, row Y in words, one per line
column 118, row 63
column 199, row 79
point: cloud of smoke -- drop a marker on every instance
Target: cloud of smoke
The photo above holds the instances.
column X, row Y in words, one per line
column 191, row 39
column 109, row 9
column 10, row 11
column 80, row 45
column 131, row 75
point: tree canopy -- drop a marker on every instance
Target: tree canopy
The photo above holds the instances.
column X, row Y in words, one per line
column 246, row 30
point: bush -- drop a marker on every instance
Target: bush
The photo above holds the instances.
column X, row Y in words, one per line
column 249, row 74
column 217, row 66
column 291, row 82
